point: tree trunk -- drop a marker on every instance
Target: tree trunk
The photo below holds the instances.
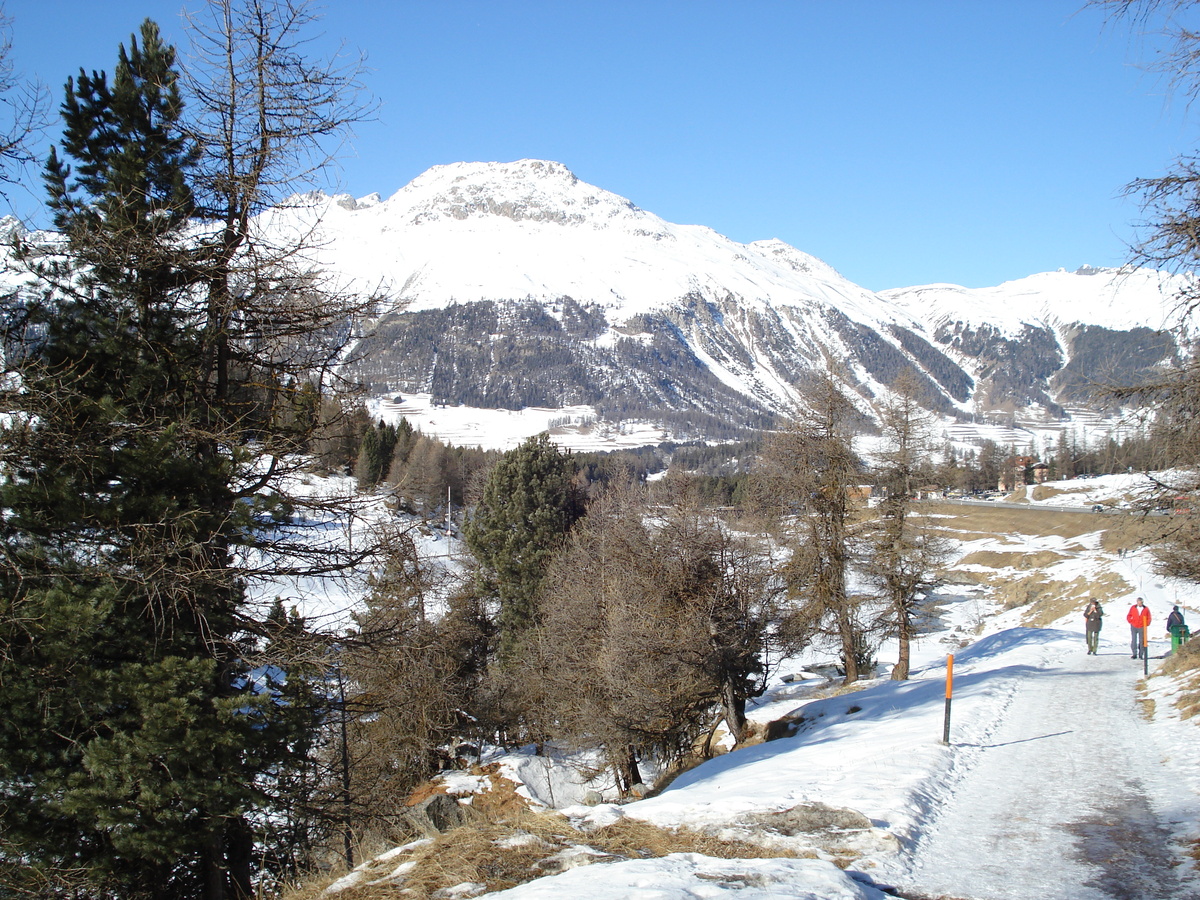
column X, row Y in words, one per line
column 627, row 772
column 213, row 865
column 904, row 635
column 708, row 738
column 239, row 840
column 849, row 647
column 735, row 711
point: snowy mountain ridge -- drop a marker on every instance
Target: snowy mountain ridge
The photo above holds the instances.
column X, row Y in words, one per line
column 515, row 285
column 1118, row 299
column 511, row 286
column 538, row 191
column 470, row 231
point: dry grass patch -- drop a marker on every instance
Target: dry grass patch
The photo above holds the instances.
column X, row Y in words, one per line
column 1000, row 559
column 633, row 838
column 993, row 521
column 1026, row 591
column 1057, row 599
column 504, row 854
column 1185, row 665
column 1049, row 600
column 501, row 800
column 1132, row 531
column 1148, row 707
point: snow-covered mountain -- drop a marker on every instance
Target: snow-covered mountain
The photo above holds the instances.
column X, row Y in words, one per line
column 516, row 285
column 513, row 285
column 1051, row 339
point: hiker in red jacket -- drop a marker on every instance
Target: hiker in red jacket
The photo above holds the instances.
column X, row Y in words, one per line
column 1138, row 619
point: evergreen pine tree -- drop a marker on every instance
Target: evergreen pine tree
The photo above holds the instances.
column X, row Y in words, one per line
column 369, row 463
column 528, row 506
column 142, row 751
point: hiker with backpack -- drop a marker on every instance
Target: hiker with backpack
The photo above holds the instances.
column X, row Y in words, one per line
column 1177, row 628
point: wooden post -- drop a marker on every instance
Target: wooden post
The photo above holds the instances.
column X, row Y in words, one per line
column 949, row 693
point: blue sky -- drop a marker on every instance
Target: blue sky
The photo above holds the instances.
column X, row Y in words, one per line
column 902, row 141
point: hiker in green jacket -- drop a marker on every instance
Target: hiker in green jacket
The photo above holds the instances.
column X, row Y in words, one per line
column 1178, row 629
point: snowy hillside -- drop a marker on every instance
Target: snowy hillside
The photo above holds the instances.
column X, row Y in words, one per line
column 1065, row 777
column 531, row 229
column 1116, row 299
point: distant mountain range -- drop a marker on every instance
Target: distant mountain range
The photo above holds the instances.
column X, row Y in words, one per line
column 513, row 285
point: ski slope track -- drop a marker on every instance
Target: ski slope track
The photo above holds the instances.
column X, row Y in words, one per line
column 1067, row 797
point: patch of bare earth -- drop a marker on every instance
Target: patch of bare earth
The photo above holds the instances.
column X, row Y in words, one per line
column 1184, row 665
column 491, row 856
column 996, row 521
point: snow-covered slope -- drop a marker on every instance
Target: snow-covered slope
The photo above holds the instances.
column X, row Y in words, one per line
column 472, row 231
column 513, row 285
column 1051, row 339
column 508, row 286
column 1117, row 299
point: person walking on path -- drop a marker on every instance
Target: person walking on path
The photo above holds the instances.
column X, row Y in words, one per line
column 1138, row 619
column 1178, row 629
column 1093, row 618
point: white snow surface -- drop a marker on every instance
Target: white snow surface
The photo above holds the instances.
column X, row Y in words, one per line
column 571, row 427
column 1060, row 779
column 1111, row 298
column 531, row 229
column 696, row 877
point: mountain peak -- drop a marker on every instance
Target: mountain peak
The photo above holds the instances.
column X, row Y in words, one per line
column 11, row 227
column 533, row 190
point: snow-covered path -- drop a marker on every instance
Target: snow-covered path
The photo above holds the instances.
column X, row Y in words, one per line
column 1064, row 799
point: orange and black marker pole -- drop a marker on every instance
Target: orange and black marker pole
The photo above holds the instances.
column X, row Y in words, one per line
column 949, row 693
column 1145, row 652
